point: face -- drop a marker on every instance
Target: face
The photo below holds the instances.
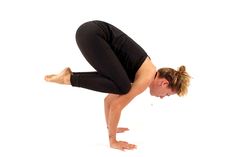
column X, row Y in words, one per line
column 159, row 88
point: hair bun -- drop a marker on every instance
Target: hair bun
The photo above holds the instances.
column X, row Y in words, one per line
column 182, row 69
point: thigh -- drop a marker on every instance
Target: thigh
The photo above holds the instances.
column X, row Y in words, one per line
column 100, row 55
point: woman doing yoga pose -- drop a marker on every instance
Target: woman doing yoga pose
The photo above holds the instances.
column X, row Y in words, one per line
column 123, row 70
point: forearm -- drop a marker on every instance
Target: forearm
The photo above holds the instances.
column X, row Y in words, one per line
column 107, row 103
column 116, row 106
column 106, row 111
column 114, row 117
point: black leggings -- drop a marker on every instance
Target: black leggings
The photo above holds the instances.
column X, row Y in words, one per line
column 96, row 46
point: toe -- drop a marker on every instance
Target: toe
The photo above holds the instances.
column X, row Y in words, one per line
column 48, row 77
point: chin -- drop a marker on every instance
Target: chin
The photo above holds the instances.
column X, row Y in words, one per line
column 151, row 93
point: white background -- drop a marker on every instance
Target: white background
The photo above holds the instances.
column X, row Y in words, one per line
column 40, row 119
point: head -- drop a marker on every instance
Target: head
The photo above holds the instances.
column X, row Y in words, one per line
column 169, row 81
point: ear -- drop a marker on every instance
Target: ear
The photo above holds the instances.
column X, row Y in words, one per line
column 165, row 83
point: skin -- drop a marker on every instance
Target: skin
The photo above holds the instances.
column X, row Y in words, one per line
column 114, row 104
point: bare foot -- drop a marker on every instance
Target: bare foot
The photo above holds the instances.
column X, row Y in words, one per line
column 62, row 78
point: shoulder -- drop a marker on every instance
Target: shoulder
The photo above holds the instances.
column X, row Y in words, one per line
column 143, row 77
column 147, row 70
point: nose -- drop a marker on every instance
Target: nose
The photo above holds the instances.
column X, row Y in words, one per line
column 162, row 97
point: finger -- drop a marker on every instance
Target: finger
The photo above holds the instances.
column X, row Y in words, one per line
column 124, row 145
column 132, row 146
column 121, row 130
column 129, row 148
column 125, row 129
column 122, row 148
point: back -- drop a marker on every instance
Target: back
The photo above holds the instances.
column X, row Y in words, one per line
column 130, row 54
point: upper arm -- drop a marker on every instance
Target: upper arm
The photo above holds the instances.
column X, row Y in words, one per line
column 143, row 78
column 140, row 84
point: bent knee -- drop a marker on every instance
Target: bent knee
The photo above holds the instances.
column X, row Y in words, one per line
column 125, row 89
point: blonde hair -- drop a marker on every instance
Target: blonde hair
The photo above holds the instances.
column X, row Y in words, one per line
column 178, row 80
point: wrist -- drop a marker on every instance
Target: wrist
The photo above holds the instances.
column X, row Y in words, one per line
column 112, row 138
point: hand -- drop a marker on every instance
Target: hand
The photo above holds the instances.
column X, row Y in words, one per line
column 120, row 130
column 122, row 145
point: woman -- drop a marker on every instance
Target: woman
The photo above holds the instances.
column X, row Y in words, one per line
column 123, row 69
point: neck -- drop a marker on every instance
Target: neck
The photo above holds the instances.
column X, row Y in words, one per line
column 153, row 80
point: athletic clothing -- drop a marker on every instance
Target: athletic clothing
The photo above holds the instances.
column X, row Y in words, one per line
column 114, row 55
